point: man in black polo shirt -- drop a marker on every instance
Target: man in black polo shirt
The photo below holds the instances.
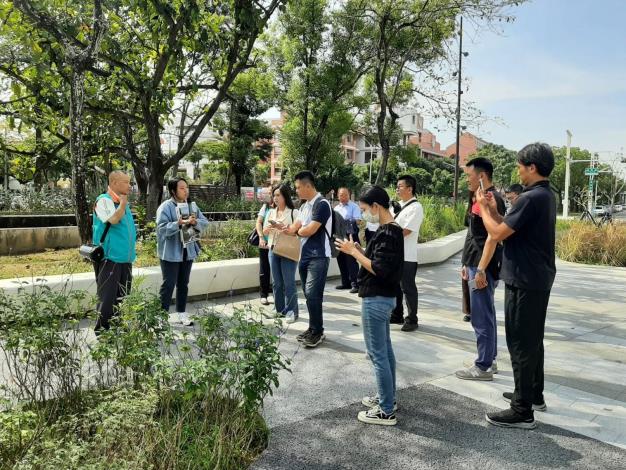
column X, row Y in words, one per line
column 528, row 271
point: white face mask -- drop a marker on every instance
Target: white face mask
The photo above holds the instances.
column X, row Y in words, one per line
column 367, row 216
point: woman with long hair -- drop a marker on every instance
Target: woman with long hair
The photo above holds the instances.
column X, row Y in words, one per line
column 179, row 221
column 280, row 217
column 378, row 279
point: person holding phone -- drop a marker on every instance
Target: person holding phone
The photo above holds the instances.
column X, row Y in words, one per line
column 380, row 273
column 481, row 259
column 115, row 273
column 177, row 253
column 280, row 217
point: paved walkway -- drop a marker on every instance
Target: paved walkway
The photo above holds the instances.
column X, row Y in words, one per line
column 441, row 419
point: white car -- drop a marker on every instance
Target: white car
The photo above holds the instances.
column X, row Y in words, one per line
column 599, row 210
column 619, row 208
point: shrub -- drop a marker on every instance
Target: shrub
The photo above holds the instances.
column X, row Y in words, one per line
column 583, row 242
column 139, row 397
column 231, row 242
column 42, row 201
column 440, row 219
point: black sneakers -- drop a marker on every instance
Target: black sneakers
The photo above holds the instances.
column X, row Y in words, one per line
column 302, row 336
column 467, row 318
column 409, row 326
column 508, row 396
column 511, row 419
column 313, row 340
column 396, row 321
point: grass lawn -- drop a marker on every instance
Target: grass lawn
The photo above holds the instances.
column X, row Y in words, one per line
column 52, row 262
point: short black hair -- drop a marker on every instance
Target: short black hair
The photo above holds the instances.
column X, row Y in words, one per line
column 305, row 176
column 172, row 185
column 538, row 154
column 482, row 164
column 375, row 194
column 409, row 181
column 515, row 188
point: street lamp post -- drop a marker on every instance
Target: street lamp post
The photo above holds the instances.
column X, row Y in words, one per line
column 567, row 176
column 458, row 113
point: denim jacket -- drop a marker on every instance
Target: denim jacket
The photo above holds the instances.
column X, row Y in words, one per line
column 169, row 245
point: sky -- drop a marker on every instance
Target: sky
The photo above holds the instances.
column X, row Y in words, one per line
column 560, row 65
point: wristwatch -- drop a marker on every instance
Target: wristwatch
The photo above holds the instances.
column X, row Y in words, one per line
column 480, row 271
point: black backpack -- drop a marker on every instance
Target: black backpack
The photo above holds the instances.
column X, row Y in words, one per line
column 338, row 228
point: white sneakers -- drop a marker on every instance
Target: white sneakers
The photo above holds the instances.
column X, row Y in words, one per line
column 181, row 317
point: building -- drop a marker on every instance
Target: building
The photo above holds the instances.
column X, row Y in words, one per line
column 469, row 144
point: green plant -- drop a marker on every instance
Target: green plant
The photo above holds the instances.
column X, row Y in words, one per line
column 583, row 242
column 440, row 218
column 231, row 242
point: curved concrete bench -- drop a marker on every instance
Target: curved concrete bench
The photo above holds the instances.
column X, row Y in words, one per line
column 219, row 278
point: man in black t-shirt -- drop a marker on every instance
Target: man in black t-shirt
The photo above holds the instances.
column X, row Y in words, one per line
column 528, row 271
column 481, row 268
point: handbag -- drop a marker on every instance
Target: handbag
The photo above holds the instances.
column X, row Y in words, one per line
column 94, row 253
column 286, row 246
column 253, row 238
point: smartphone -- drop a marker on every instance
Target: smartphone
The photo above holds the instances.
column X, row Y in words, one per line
column 272, row 222
column 482, row 186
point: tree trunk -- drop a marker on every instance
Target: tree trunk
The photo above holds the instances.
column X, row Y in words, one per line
column 79, row 167
column 156, row 177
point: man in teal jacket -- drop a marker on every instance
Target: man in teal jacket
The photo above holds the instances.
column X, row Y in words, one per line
column 114, row 274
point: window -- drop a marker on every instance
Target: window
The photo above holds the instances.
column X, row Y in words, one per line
column 414, row 119
column 369, row 156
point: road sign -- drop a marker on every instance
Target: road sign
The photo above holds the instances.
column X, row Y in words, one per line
column 590, row 171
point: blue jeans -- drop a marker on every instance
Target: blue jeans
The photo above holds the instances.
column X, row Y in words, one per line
column 313, row 272
column 484, row 320
column 376, row 312
column 284, row 276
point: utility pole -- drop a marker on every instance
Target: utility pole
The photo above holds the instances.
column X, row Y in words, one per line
column 458, row 115
column 590, row 198
column 567, row 176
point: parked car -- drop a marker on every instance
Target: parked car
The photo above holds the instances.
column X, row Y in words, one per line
column 599, row 210
column 619, row 208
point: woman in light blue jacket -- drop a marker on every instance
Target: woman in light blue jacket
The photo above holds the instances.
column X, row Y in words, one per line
column 179, row 222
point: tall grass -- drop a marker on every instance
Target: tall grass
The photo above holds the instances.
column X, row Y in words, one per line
column 585, row 243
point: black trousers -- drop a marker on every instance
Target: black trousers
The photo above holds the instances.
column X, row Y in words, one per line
column 175, row 275
column 525, row 319
column 407, row 289
column 114, row 281
column 348, row 267
column 264, row 272
column 465, row 300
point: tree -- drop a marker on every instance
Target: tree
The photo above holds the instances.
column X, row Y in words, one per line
column 157, row 59
column 319, row 60
column 79, row 55
column 408, row 43
column 504, row 164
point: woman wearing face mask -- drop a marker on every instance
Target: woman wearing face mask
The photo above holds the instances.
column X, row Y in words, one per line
column 174, row 215
column 379, row 275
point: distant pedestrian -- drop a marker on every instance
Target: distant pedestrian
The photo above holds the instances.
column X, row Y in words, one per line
column 179, row 223
column 528, row 272
column 265, row 275
column 409, row 216
column 512, row 193
column 281, row 217
column 348, row 267
column 381, row 270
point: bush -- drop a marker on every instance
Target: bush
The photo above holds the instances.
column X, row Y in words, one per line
column 440, row 219
column 137, row 398
column 231, row 242
column 43, row 201
column 585, row 243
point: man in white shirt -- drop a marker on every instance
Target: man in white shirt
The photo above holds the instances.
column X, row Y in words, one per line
column 409, row 216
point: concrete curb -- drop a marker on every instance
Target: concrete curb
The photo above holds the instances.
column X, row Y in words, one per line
column 218, row 278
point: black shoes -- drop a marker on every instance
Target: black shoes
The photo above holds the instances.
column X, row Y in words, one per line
column 302, row 336
column 313, row 340
column 409, row 326
column 466, row 318
column 340, row 287
column 511, row 419
column 508, row 396
column 396, row 321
